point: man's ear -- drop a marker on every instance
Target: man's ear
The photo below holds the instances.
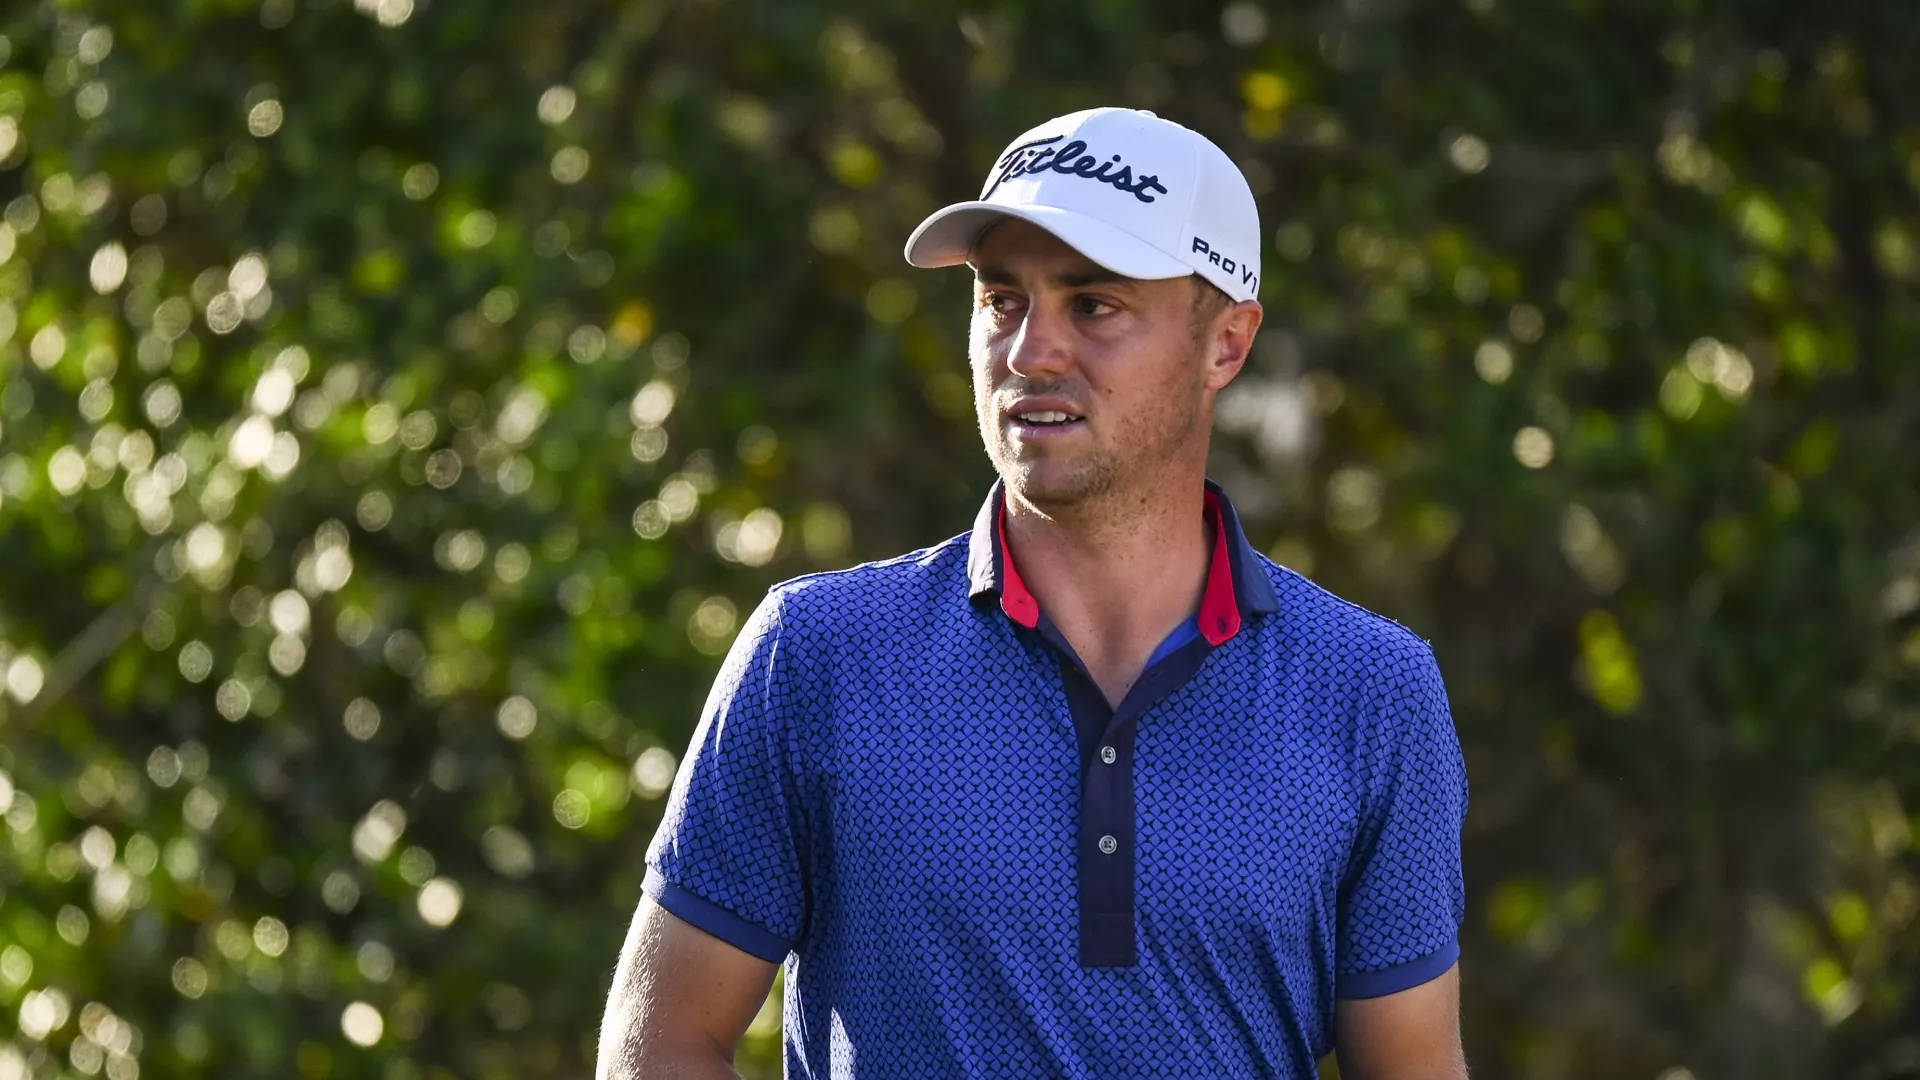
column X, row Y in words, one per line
column 1229, row 341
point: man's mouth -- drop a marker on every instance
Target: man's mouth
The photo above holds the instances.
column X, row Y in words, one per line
column 1040, row 424
column 1045, row 418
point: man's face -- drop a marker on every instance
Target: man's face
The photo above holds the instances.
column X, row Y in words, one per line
column 1085, row 382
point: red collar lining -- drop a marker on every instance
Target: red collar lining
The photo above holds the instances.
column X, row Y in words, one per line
column 1015, row 599
column 1219, row 606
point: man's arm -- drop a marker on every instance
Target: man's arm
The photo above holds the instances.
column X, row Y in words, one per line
column 1410, row 1035
column 680, row 1001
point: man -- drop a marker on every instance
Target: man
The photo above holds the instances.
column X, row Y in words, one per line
column 1095, row 790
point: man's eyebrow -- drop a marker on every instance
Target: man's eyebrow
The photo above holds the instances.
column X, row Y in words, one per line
column 1072, row 279
column 1098, row 275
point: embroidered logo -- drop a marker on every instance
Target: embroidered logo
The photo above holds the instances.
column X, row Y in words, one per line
column 1225, row 262
column 1072, row 160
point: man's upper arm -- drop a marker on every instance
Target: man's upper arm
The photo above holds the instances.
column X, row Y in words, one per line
column 1404, row 893
column 680, row 997
column 725, row 895
column 1410, row 1035
column 730, row 856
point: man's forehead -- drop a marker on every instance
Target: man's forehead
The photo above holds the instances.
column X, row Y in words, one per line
column 1018, row 245
column 1025, row 251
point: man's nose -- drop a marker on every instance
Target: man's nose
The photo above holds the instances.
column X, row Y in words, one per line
column 1042, row 346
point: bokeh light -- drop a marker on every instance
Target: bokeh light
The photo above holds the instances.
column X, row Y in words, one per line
column 388, row 464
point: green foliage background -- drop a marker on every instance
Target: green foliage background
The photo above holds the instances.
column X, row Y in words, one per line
column 399, row 403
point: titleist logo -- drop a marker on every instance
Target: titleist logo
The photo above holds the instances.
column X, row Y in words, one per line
column 1072, row 160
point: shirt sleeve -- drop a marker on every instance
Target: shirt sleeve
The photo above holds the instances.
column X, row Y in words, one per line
column 728, row 856
column 1405, row 894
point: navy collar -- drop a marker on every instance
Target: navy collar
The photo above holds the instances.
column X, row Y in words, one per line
column 1237, row 585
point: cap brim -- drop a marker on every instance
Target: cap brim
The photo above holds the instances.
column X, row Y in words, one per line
column 948, row 235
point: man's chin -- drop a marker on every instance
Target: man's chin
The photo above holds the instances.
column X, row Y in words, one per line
column 1051, row 485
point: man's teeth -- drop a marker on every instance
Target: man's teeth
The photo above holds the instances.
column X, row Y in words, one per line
column 1045, row 417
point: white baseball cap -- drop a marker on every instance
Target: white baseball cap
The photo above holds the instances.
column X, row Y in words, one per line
column 1141, row 196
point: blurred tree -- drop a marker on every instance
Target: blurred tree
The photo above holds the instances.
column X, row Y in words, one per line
column 399, row 403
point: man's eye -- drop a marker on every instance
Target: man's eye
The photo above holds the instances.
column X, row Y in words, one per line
column 1090, row 305
column 999, row 302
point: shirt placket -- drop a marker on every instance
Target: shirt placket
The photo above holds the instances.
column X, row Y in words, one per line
column 1105, row 859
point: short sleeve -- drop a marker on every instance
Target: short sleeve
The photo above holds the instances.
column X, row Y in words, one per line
column 1405, row 894
column 728, row 857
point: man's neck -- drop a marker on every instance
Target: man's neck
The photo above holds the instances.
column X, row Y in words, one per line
column 1116, row 576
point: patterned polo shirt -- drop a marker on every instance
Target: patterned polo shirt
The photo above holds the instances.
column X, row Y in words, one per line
column 906, row 786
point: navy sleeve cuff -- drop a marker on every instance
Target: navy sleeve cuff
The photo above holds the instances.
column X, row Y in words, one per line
column 706, row 915
column 1372, row 984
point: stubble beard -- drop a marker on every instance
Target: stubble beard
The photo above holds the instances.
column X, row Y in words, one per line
column 1056, row 481
column 1055, row 484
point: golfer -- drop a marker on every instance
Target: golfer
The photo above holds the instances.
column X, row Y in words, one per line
column 1095, row 789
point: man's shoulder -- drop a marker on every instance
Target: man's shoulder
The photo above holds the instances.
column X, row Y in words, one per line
column 915, row 578
column 1337, row 630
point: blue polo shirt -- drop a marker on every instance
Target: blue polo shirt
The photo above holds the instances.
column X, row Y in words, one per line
column 905, row 785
